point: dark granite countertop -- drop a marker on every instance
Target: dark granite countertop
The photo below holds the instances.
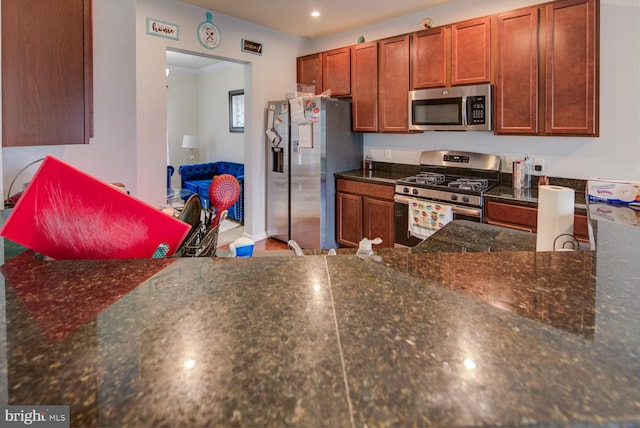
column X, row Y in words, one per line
column 388, row 174
column 420, row 338
column 530, row 196
column 463, row 236
column 383, row 173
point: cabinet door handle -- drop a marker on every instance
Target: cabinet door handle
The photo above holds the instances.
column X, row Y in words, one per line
column 464, row 111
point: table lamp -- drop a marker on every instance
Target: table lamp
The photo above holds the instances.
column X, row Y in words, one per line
column 190, row 142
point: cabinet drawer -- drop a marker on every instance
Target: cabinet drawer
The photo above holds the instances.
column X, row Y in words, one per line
column 514, row 214
column 373, row 190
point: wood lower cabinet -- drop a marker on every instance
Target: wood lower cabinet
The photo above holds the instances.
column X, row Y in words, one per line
column 364, row 210
column 364, row 87
column 47, row 72
column 512, row 216
column 525, row 218
column 349, row 219
column 393, row 84
column 378, row 220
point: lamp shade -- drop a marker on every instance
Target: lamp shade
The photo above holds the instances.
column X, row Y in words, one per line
column 190, row 142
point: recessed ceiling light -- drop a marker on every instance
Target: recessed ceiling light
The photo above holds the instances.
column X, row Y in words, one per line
column 315, row 13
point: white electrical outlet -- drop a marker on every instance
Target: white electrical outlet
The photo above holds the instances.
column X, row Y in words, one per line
column 387, row 154
column 538, row 165
column 508, row 163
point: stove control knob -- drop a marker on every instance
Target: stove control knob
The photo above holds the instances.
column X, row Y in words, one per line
column 415, row 191
column 405, row 190
column 454, row 197
column 465, row 199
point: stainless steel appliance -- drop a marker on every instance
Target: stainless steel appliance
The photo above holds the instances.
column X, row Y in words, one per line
column 460, row 108
column 308, row 141
column 452, row 178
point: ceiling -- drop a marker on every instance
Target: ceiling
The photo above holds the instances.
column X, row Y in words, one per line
column 294, row 16
column 188, row 61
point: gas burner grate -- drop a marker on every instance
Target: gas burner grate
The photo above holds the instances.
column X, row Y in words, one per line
column 426, row 178
column 475, row 184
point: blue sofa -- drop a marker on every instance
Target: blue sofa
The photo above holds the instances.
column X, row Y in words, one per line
column 197, row 178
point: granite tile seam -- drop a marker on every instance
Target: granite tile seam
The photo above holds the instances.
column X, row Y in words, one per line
column 340, row 351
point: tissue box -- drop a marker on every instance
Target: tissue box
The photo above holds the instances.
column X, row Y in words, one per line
column 616, row 191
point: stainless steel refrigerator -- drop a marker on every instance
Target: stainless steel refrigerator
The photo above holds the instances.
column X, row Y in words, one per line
column 308, row 141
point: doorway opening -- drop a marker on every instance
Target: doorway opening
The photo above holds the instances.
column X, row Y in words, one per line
column 198, row 115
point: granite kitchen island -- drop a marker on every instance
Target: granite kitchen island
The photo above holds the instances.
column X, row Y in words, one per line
column 417, row 339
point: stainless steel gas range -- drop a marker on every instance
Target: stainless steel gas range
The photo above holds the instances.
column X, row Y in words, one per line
column 450, row 186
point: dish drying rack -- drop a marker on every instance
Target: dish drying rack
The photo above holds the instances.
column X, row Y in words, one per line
column 203, row 241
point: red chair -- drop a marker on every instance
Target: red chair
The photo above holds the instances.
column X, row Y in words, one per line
column 224, row 191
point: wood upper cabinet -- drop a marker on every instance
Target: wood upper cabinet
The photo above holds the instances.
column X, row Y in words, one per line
column 336, row 72
column 364, row 87
column 326, row 70
column 364, row 210
column 393, row 84
column 428, row 59
column 309, row 71
column 516, row 87
column 546, row 71
column 571, row 45
column 471, row 52
column 47, row 73
column 542, row 59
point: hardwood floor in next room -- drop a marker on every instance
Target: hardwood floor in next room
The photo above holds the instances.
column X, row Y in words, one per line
column 265, row 244
column 232, row 230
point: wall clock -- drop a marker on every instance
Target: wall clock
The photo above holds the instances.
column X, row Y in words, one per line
column 208, row 33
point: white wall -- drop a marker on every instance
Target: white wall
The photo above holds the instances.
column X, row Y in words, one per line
column 215, row 83
column 183, row 117
column 268, row 76
column 616, row 153
column 198, row 104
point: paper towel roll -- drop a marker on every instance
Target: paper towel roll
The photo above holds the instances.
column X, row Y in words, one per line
column 555, row 217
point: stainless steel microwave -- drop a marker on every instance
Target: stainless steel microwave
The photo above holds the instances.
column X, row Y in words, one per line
column 460, row 108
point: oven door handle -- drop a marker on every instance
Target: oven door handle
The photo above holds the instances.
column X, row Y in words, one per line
column 465, row 119
column 471, row 212
column 401, row 199
column 457, row 209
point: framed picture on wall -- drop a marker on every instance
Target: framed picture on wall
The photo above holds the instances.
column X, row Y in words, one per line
column 236, row 110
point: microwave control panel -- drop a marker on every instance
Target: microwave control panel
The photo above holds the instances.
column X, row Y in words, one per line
column 476, row 110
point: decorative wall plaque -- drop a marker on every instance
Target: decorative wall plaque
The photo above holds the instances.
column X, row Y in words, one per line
column 208, row 33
